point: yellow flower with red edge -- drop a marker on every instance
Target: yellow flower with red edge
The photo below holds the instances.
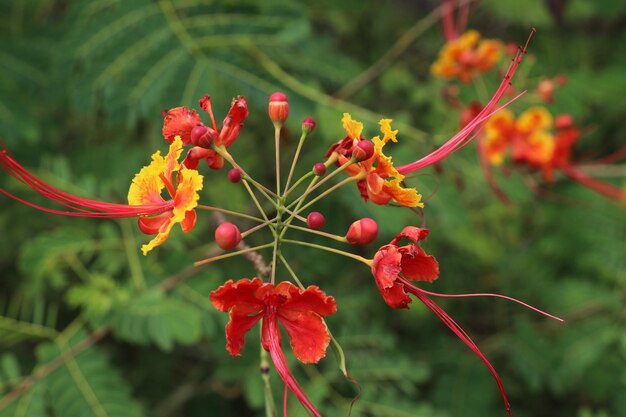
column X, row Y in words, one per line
column 182, row 185
column 467, row 56
column 381, row 182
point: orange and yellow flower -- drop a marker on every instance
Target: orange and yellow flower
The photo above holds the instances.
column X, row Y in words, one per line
column 466, row 56
column 381, row 182
column 183, row 189
column 528, row 137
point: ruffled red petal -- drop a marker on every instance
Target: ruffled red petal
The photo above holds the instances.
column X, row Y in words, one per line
column 242, row 293
column 307, row 332
column 311, row 299
column 190, row 221
column 417, row 265
column 178, row 122
column 239, row 324
column 412, row 233
column 386, row 266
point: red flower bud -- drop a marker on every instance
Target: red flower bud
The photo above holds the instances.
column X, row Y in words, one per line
column 563, row 121
column 308, row 125
column 278, row 108
column 319, row 169
column 315, row 220
column 363, row 150
column 234, row 175
column 362, row 232
column 202, row 136
column 227, row 236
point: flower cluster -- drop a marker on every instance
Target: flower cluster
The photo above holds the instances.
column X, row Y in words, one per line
column 467, row 56
column 300, row 310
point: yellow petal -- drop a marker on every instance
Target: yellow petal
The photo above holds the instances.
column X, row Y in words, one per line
column 353, row 128
column 535, row 118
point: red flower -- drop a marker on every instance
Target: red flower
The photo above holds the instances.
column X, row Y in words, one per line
column 181, row 121
column 299, row 311
column 410, row 260
column 394, row 266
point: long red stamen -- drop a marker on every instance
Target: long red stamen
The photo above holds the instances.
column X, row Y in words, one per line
column 77, row 206
column 469, row 132
column 168, row 185
column 447, row 20
column 280, row 363
column 506, row 297
column 460, row 333
column 600, row 187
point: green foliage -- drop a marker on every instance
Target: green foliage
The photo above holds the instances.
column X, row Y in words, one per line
column 81, row 87
column 86, row 384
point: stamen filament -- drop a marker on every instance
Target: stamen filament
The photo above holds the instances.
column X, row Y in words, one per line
column 506, row 297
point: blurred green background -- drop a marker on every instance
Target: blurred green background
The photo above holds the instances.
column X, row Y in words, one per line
column 82, row 84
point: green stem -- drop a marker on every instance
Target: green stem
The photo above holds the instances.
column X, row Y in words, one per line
column 297, row 183
column 294, row 213
column 228, row 157
column 257, row 228
column 136, row 273
column 277, row 127
column 230, row 212
column 274, row 266
column 330, row 190
column 329, row 176
column 295, row 160
column 319, row 232
column 291, row 271
column 368, row 262
column 256, row 202
column 230, row 254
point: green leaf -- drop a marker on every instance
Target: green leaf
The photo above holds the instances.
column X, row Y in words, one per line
column 86, row 385
column 155, row 318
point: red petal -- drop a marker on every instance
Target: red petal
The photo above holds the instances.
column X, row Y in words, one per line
column 152, row 225
column 238, row 325
column 417, row 265
column 242, row 293
column 271, row 333
column 178, row 122
column 190, row 221
column 307, row 332
column 386, row 266
column 311, row 299
column 395, row 296
column 233, row 122
column 412, row 233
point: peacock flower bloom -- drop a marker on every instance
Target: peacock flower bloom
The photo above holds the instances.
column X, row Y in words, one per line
column 528, row 137
column 144, row 196
column 379, row 180
column 467, row 56
column 395, row 267
column 182, row 188
column 299, row 311
column 186, row 123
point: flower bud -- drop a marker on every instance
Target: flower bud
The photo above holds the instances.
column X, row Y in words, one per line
column 363, row 150
column 278, row 108
column 362, row 232
column 319, row 169
column 315, row 220
column 202, row 136
column 234, row 175
column 308, row 125
column 563, row 121
column 227, row 236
